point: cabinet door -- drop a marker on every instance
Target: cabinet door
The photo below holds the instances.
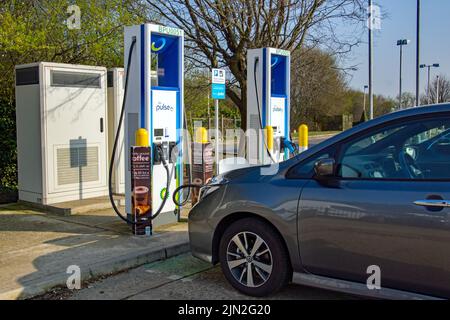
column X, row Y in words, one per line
column 76, row 129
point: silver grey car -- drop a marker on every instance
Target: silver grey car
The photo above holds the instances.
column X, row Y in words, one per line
column 366, row 212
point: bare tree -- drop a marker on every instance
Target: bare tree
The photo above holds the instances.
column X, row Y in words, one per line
column 219, row 32
column 408, row 100
column 444, row 90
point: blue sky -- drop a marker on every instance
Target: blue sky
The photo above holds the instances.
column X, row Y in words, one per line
column 400, row 23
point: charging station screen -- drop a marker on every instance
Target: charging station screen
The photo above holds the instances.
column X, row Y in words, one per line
column 279, row 75
column 165, row 60
column 164, row 104
column 277, row 115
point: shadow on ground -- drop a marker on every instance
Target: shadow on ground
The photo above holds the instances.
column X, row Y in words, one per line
column 37, row 248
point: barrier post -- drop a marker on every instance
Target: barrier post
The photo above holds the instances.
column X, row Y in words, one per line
column 303, row 138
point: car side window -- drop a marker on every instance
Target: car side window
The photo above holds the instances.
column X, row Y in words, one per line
column 413, row 150
column 431, row 152
column 305, row 169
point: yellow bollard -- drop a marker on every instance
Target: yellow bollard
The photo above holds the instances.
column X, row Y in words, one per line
column 268, row 136
column 201, row 135
column 142, row 138
column 303, row 139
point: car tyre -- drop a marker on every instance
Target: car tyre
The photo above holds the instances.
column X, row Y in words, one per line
column 251, row 244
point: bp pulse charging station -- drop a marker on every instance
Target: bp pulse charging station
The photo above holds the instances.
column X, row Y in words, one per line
column 155, row 103
column 268, row 102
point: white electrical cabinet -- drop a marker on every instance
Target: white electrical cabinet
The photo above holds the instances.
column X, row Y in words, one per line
column 61, row 132
column 116, row 87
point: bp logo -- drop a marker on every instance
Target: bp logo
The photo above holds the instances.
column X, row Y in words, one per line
column 163, row 192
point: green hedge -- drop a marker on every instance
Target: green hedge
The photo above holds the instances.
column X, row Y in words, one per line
column 8, row 147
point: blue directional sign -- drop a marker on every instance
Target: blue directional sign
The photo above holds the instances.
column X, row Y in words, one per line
column 218, row 84
column 218, row 91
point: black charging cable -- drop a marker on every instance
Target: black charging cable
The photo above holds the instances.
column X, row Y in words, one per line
column 114, row 150
column 188, row 186
column 255, row 68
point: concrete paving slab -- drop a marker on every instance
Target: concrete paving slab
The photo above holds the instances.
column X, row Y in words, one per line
column 37, row 248
column 137, row 281
column 77, row 206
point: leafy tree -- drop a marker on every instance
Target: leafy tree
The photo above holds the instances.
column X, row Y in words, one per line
column 408, row 100
column 36, row 30
column 383, row 105
column 317, row 88
column 354, row 104
column 8, row 156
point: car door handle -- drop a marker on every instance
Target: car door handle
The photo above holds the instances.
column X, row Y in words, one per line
column 433, row 203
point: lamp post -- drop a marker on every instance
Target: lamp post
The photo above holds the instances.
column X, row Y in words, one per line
column 371, row 58
column 418, row 55
column 401, row 43
column 364, row 103
column 422, row 66
column 437, row 89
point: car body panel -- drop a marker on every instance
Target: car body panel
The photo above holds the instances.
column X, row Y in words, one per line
column 276, row 200
column 355, row 288
column 345, row 229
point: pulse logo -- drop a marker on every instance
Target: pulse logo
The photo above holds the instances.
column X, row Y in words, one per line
column 158, row 45
column 163, row 107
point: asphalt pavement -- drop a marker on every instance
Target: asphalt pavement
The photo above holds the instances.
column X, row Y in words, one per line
column 181, row 278
column 316, row 140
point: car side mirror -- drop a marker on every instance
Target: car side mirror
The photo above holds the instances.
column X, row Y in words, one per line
column 325, row 168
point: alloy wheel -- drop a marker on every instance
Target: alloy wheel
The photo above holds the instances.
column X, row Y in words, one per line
column 249, row 259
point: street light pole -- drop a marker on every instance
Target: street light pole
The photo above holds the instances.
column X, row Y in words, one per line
column 437, row 89
column 418, row 55
column 435, row 65
column 400, row 87
column 371, row 59
column 401, row 43
column 428, row 85
column 364, row 102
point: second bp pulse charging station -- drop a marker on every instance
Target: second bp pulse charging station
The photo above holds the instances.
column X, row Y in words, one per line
column 154, row 102
column 268, row 104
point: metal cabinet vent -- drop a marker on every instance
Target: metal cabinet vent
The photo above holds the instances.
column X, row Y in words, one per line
column 77, row 165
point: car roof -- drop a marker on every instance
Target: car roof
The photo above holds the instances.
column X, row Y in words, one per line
column 414, row 111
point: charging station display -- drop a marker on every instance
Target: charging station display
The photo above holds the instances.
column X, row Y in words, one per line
column 277, row 115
